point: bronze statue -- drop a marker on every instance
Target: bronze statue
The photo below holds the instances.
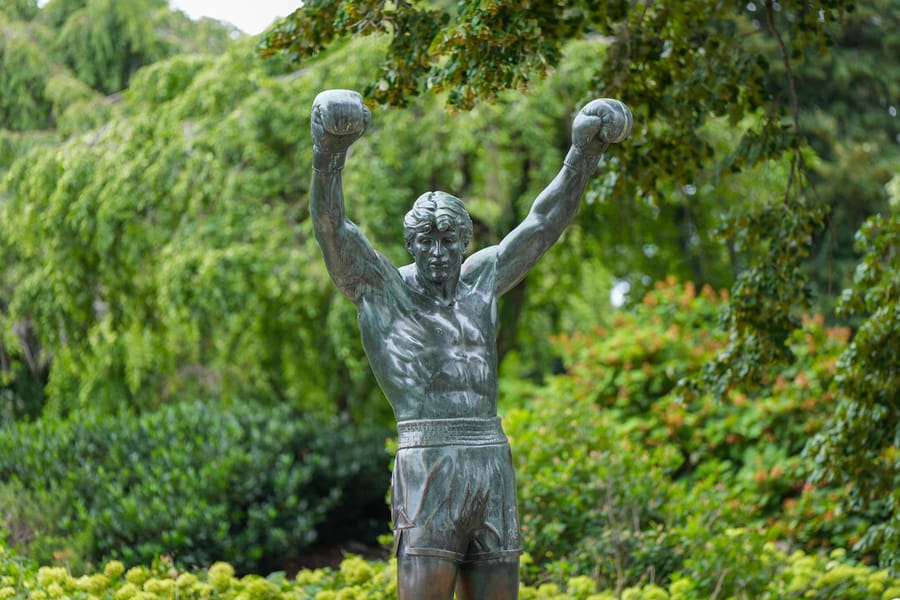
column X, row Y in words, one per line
column 429, row 330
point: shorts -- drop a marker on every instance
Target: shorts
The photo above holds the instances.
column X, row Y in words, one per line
column 453, row 492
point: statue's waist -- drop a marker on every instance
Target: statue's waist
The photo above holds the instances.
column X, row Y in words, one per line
column 423, row 433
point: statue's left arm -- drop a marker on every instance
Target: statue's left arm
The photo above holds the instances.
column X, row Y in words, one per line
column 601, row 123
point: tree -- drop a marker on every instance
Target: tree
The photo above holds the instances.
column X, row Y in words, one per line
column 73, row 49
column 24, row 70
column 846, row 102
column 20, row 9
column 861, row 446
column 43, row 101
column 766, row 67
column 168, row 253
column 155, row 241
column 678, row 65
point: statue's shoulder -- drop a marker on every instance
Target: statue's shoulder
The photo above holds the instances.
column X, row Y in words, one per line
column 480, row 267
column 384, row 281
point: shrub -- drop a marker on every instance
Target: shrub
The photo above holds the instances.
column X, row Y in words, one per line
column 197, row 481
column 592, row 503
column 794, row 576
column 627, row 474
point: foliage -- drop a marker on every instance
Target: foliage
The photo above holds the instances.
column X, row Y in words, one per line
column 861, row 445
column 766, row 297
column 621, row 477
column 148, row 258
column 43, row 101
column 196, row 481
column 137, row 240
column 676, row 64
column 812, row 90
column 847, row 101
column 155, row 246
column 146, row 280
column 795, row 576
column 625, row 479
column 24, row 69
column 93, row 46
column 497, row 158
column 20, row 9
column 105, row 42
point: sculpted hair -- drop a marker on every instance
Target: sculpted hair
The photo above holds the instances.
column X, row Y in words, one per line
column 437, row 210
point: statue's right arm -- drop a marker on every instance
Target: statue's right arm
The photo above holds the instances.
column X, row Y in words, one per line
column 338, row 119
column 351, row 261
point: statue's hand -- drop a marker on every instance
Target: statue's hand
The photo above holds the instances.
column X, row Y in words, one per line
column 338, row 119
column 602, row 122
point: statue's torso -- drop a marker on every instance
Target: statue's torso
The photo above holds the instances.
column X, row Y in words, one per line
column 432, row 360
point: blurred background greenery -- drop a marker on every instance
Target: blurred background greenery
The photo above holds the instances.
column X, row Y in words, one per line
column 705, row 364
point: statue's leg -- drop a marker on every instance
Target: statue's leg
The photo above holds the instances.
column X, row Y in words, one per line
column 425, row 577
column 496, row 579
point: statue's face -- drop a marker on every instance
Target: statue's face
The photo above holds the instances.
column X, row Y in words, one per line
column 438, row 255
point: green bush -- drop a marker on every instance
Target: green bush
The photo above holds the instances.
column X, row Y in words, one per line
column 628, row 475
column 793, row 576
column 625, row 475
column 197, row 481
column 591, row 502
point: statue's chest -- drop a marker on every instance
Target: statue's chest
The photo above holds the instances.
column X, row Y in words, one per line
column 423, row 331
column 465, row 324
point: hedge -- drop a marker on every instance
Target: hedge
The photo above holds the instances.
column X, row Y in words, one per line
column 197, row 481
column 797, row 575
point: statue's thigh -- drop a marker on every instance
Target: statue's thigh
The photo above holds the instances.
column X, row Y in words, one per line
column 425, row 578
column 489, row 580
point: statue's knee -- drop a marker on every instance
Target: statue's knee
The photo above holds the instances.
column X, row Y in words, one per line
column 497, row 579
column 425, row 577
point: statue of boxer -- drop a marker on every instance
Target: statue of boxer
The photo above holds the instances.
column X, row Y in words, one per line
column 429, row 330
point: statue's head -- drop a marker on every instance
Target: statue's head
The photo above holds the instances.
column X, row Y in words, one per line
column 437, row 231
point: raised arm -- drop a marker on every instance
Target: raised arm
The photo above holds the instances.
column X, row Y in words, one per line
column 338, row 119
column 601, row 123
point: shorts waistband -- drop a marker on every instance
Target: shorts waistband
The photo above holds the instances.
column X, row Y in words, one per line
column 424, row 433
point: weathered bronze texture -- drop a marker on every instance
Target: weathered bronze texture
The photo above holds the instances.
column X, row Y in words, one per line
column 429, row 329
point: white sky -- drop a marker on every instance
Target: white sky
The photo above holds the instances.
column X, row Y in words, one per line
column 251, row 16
